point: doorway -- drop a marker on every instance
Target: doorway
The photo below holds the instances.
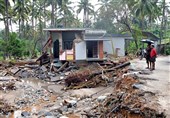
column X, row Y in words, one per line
column 56, row 49
column 92, row 49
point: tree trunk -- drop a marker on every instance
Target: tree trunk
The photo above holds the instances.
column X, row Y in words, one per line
column 52, row 13
column 32, row 17
column 44, row 15
column 11, row 25
column 55, row 19
column 6, row 22
column 19, row 22
column 24, row 29
column 84, row 18
column 130, row 30
column 163, row 21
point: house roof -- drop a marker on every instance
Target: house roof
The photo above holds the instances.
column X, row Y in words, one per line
column 150, row 35
column 63, row 29
column 97, row 36
column 90, row 34
column 121, row 35
column 96, row 39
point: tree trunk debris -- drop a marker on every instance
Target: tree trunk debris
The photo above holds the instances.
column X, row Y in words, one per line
column 126, row 100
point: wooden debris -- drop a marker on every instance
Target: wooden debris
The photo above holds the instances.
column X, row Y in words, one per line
column 91, row 78
column 5, row 107
column 62, row 67
column 126, row 102
column 7, row 86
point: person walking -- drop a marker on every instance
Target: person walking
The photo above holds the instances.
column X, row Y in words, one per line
column 147, row 56
column 153, row 55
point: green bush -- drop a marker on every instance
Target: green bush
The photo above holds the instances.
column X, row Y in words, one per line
column 167, row 50
column 15, row 47
column 132, row 47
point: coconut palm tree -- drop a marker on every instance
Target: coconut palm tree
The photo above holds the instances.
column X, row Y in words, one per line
column 66, row 12
column 144, row 9
column 54, row 6
column 22, row 12
column 87, row 8
column 2, row 9
column 104, row 4
column 5, row 12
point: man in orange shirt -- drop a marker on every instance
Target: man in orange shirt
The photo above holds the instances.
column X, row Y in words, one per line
column 153, row 55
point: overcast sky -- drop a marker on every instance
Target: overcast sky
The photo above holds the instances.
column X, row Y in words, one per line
column 75, row 2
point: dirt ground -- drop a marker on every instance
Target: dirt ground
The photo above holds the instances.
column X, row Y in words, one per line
column 157, row 81
column 161, row 75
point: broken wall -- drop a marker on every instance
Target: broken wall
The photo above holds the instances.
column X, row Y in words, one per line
column 115, row 45
column 80, row 50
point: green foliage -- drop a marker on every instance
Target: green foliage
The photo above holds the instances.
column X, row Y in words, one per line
column 167, row 50
column 15, row 47
column 132, row 47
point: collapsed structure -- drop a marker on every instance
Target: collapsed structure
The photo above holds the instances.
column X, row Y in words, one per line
column 76, row 44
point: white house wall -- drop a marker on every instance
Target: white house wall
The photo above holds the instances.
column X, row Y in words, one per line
column 117, row 42
column 80, row 51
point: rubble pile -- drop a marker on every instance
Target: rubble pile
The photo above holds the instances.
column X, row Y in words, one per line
column 7, row 86
column 127, row 101
column 31, row 96
column 6, row 108
column 90, row 78
column 73, row 75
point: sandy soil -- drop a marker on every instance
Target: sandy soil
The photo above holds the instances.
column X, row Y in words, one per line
column 161, row 85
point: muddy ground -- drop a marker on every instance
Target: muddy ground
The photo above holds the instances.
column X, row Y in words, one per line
column 35, row 97
column 157, row 81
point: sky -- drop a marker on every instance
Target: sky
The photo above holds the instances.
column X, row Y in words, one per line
column 75, row 2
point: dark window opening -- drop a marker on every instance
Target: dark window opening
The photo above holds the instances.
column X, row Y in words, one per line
column 67, row 38
column 68, row 45
column 92, row 49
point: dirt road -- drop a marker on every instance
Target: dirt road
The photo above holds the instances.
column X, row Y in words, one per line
column 161, row 85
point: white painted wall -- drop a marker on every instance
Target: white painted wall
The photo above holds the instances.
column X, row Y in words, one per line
column 117, row 42
column 80, row 51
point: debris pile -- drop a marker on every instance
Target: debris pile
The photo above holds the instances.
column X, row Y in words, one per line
column 73, row 75
column 126, row 102
column 6, row 108
column 89, row 78
column 7, row 86
column 31, row 96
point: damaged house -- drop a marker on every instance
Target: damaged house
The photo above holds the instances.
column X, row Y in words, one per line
column 66, row 44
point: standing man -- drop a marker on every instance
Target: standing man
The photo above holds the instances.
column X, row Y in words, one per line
column 147, row 56
column 153, row 55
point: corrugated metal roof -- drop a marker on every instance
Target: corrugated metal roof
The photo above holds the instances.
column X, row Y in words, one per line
column 118, row 35
column 87, row 31
column 96, row 39
column 94, row 32
column 64, row 29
